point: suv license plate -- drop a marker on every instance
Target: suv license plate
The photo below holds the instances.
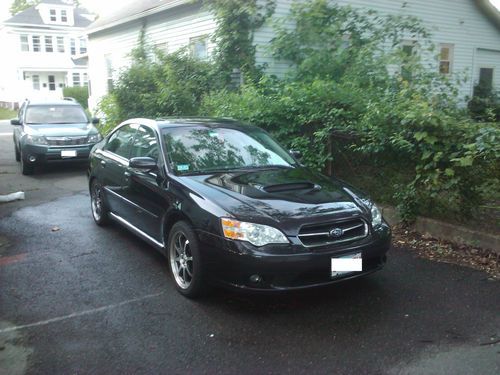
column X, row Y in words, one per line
column 68, row 153
column 347, row 263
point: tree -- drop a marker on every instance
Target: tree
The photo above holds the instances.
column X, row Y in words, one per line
column 18, row 6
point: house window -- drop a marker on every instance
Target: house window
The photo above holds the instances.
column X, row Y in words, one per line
column 198, row 47
column 53, row 17
column 445, row 58
column 48, row 44
column 36, row 82
column 36, row 43
column 83, row 45
column 109, row 71
column 85, row 79
column 64, row 16
column 25, row 46
column 60, row 44
column 73, row 46
column 408, row 51
column 76, row 79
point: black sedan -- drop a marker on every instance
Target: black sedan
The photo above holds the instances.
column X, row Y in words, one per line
column 228, row 205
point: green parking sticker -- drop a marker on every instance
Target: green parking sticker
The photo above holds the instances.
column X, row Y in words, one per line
column 182, row 167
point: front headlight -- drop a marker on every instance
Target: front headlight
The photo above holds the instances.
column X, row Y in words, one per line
column 376, row 215
column 94, row 138
column 256, row 234
column 35, row 140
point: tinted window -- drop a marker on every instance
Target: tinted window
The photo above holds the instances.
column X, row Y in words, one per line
column 145, row 144
column 120, row 142
column 200, row 149
column 55, row 114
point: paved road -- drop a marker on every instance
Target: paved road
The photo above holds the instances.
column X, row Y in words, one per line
column 87, row 300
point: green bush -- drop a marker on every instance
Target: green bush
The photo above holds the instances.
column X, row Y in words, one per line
column 80, row 94
column 401, row 135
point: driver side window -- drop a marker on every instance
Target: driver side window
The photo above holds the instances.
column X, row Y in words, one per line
column 145, row 144
column 120, row 142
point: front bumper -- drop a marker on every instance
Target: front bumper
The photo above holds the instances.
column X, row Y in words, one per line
column 53, row 154
column 286, row 267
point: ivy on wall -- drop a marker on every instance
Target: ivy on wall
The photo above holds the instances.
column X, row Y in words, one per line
column 237, row 21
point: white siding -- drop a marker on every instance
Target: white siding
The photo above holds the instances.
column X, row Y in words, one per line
column 175, row 27
column 459, row 22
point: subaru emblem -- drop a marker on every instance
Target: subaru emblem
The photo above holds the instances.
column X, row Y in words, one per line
column 336, row 232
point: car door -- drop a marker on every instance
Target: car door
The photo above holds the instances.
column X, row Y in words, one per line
column 113, row 164
column 146, row 190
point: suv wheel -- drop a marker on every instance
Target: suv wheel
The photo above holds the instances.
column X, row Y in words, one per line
column 97, row 204
column 26, row 169
column 185, row 260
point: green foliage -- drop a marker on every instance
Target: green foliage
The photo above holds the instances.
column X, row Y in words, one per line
column 236, row 22
column 346, row 98
column 18, row 6
column 80, row 94
column 158, row 85
column 485, row 104
column 7, row 114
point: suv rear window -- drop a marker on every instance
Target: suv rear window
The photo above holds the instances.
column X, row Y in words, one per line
column 55, row 114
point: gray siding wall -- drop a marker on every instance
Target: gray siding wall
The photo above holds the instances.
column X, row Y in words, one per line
column 459, row 23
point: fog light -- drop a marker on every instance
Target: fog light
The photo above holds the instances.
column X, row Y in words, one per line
column 32, row 158
column 255, row 279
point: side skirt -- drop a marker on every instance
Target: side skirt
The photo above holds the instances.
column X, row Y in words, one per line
column 137, row 231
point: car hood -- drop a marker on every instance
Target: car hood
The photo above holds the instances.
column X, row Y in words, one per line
column 61, row 130
column 284, row 196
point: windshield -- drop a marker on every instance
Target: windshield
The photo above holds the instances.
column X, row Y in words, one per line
column 55, row 114
column 194, row 150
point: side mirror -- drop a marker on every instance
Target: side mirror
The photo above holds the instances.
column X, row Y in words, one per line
column 95, row 120
column 295, row 154
column 15, row 121
column 143, row 163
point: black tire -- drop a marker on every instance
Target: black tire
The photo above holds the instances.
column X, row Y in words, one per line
column 18, row 154
column 191, row 282
column 26, row 168
column 98, row 205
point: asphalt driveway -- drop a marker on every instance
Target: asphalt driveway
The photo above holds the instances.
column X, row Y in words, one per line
column 79, row 299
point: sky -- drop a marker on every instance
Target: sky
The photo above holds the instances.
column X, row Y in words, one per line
column 103, row 7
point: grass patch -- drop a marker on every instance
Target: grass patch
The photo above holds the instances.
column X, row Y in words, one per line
column 7, row 114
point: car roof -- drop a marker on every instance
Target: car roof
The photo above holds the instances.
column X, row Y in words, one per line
column 199, row 121
column 52, row 102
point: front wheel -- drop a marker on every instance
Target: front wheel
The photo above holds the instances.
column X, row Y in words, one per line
column 26, row 168
column 97, row 204
column 185, row 261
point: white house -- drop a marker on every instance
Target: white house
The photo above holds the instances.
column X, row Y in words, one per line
column 44, row 49
column 467, row 33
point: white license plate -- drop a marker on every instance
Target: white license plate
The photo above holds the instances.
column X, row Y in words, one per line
column 347, row 263
column 68, row 153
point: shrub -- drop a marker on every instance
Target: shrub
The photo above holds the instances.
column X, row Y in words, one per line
column 80, row 94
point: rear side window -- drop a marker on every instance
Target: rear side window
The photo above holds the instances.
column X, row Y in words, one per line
column 120, row 142
column 145, row 144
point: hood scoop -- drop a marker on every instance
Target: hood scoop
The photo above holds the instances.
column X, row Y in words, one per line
column 280, row 188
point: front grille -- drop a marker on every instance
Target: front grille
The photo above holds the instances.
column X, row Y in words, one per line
column 66, row 141
column 333, row 232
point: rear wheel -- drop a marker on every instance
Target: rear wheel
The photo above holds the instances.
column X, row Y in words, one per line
column 97, row 204
column 26, row 168
column 185, row 261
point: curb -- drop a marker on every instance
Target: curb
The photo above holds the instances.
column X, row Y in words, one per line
column 446, row 231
